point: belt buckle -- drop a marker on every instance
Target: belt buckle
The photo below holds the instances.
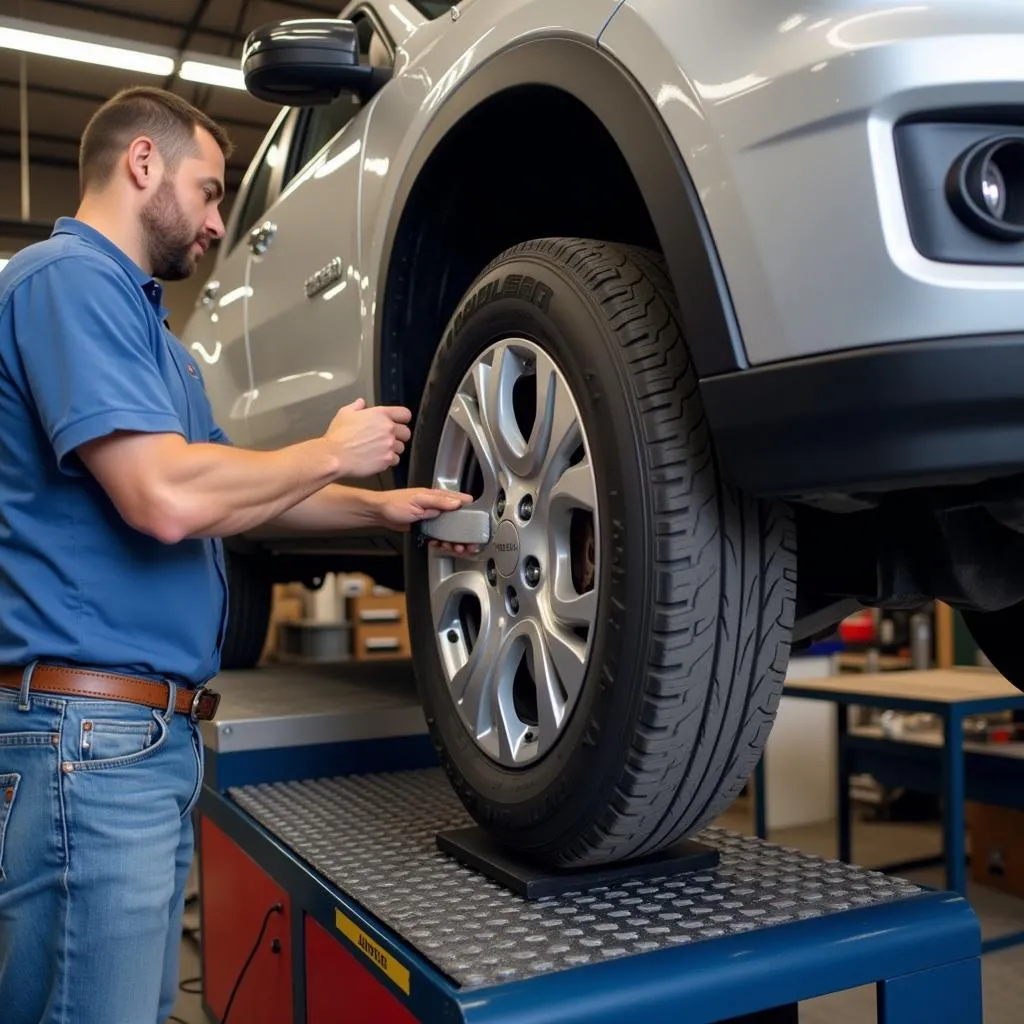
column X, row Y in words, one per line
column 202, row 692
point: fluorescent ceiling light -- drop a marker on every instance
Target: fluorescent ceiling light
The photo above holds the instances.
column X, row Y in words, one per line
column 225, row 75
column 34, row 37
column 80, row 47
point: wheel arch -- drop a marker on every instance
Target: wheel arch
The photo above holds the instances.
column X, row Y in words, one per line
column 658, row 205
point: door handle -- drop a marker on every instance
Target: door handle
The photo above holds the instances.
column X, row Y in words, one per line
column 261, row 237
column 209, row 293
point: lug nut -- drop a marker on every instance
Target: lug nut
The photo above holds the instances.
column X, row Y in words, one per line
column 500, row 504
column 526, row 509
column 513, row 601
column 531, row 571
column 453, row 637
column 492, row 572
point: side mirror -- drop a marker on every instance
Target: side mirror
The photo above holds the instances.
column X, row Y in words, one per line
column 307, row 62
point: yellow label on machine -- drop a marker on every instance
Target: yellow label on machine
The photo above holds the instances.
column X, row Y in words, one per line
column 384, row 960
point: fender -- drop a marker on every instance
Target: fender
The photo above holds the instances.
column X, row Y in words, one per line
column 594, row 78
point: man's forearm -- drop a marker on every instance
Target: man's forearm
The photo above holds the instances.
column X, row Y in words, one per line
column 248, row 489
column 170, row 489
column 334, row 507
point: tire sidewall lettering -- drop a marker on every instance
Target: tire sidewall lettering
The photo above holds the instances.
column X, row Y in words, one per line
column 507, row 286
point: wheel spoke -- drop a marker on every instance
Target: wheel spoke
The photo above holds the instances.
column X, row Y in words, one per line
column 466, row 581
column 483, row 693
column 465, row 414
column 568, row 654
column 570, row 608
column 556, row 429
column 551, row 704
column 509, row 730
column 494, row 391
column 575, row 488
column 471, row 688
column 483, row 375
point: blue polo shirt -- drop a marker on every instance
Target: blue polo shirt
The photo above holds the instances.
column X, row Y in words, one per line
column 84, row 351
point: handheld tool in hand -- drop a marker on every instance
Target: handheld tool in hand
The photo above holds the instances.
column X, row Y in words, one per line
column 463, row 526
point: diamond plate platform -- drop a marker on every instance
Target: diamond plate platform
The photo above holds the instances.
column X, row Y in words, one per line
column 373, row 836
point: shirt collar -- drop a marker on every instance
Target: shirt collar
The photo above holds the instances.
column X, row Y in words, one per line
column 152, row 288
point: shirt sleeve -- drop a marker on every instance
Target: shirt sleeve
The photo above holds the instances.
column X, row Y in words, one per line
column 83, row 340
column 217, row 436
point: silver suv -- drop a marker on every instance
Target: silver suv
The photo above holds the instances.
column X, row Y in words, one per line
column 676, row 289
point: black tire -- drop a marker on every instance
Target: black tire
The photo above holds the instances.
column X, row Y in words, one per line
column 697, row 583
column 249, row 600
column 998, row 636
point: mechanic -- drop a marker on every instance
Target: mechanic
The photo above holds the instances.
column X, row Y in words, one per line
column 116, row 487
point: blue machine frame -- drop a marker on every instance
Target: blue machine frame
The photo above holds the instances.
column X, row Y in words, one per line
column 923, row 952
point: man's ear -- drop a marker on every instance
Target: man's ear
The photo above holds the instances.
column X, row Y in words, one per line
column 144, row 163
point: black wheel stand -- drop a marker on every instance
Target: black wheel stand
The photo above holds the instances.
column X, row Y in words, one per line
column 475, row 848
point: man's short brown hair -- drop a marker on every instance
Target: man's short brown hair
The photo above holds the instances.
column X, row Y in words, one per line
column 166, row 118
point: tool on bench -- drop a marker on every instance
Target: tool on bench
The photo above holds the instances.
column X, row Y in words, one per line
column 463, row 526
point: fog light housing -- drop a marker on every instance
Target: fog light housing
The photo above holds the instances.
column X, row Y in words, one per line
column 985, row 187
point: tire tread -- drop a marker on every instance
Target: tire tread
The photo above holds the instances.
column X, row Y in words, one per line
column 691, row 753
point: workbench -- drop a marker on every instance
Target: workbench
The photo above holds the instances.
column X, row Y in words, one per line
column 324, row 896
column 948, row 765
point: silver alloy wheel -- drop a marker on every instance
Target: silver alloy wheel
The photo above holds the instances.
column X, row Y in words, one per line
column 515, row 621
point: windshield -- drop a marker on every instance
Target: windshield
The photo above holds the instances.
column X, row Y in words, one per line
column 433, row 8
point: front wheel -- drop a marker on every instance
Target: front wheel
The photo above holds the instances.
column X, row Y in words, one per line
column 601, row 679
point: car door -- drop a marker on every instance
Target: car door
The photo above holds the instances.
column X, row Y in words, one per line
column 306, row 292
column 216, row 331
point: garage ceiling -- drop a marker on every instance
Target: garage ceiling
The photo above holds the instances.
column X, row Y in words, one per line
column 62, row 94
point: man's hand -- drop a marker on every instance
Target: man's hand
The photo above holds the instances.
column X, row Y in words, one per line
column 368, row 441
column 402, row 507
column 399, row 509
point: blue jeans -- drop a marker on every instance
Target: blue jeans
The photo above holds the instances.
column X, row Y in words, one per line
column 95, row 848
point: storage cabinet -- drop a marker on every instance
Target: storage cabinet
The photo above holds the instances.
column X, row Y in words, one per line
column 236, row 895
column 339, row 988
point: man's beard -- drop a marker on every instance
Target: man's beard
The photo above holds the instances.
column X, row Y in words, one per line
column 168, row 236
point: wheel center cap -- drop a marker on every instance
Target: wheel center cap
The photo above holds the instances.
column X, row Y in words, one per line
column 506, row 548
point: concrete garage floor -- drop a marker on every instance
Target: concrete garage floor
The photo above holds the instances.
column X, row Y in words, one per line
column 874, row 844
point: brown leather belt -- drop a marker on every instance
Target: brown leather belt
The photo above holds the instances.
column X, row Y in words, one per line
column 200, row 704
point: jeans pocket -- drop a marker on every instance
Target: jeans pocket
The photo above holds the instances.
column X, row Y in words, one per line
column 118, row 743
column 8, row 792
column 103, row 739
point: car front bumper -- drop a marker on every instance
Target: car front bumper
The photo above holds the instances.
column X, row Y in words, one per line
column 791, row 127
column 948, row 411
